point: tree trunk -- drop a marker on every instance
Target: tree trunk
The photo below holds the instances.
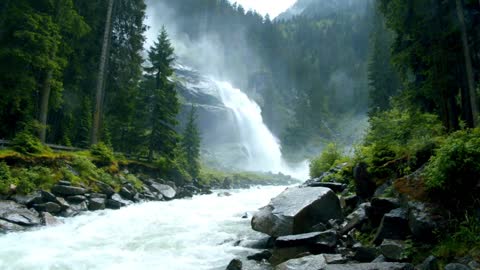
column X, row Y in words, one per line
column 468, row 63
column 101, row 75
column 44, row 98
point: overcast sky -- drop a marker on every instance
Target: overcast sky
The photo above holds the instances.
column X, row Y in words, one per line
column 271, row 7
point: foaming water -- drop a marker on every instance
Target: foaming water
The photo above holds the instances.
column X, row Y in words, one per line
column 263, row 148
column 196, row 233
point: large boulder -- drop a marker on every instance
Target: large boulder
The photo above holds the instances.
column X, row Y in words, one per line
column 379, row 207
column 394, row 226
column 61, row 190
column 49, row 207
column 116, row 202
column 13, row 212
column 235, row 264
column 49, row 220
column 423, row 221
column 393, row 250
column 6, row 226
column 95, row 204
column 312, row 262
column 327, row 238
column 166, row 191
column 370, row 266
column 28, row 200
column 105, row 188
column 297, row 210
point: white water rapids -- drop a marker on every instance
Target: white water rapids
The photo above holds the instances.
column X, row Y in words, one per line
column 194, row 234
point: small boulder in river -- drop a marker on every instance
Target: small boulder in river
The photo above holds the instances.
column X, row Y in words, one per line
column 235, row 264
column 297, row 210
column 313, row 262
column 95, row 204
column 16, row 213
column 49, row 207
column 165, row 190
column 370, row 266
column 49, row 220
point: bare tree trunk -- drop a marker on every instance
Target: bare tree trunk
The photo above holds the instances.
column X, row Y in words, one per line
column 101, row 76
column 468, row 63
column 44, row 98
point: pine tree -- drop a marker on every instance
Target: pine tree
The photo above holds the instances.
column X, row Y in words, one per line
column 163, row 101
column 191, row 144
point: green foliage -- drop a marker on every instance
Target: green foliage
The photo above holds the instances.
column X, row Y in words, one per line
column 26, row 143
column 399, row 142
column 6, row 179
column 453, row 173
column 137, row 184
column 191, row 145
column 331, row 156
column 102, row 152
column 34, row 178
column 465, row 240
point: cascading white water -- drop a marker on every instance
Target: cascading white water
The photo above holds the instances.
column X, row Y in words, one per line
column 263, row 148
column 196, row 234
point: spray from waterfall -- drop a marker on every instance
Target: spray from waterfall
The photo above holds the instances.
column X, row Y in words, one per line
column 262, row 147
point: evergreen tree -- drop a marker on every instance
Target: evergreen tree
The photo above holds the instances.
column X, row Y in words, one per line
column 163, row 104
column 191, row 144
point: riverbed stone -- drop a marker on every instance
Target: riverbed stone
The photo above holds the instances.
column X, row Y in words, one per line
column 166, row 191
column 49, row 207
column 61, row 190
column 116, row 202
column 264, row 255
column 28, row 200
column 379, row 207
column 49, row 220
column 312, row 262
column 13, row 212
column 369, row 266
column 235, row 264
column 423, row 221
column 79, row 207
column 6, row 226
column 430, row 263
column 105, row 188
column 364, row 253
column 63, row 203
column 77, row 199
column 95, row 204
column 296, row 211
column 355, row 219
column 48, row 196
column 126, row 193
column 456, row 266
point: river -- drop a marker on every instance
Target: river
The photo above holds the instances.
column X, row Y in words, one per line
column 198, row 233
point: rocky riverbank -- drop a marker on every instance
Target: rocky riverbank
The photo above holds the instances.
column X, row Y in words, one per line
column 329, row 225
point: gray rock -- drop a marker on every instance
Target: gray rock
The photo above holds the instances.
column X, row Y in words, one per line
column 356, row 219
column 370, row 266
column 116, row 202
column 297, row 210
column 235, row 264
column 280, row 255
column 105, row 188
column 49, row 220
column 95, row 204
column 351, row 201
column 28, row 200
column 48, row 197
column 334, row 259
column 456, row 266
column 166, row 191
column 380, row 259
column 49, row 207
column 328, row 238
column 393, row 250
column 394, row 226
column 80, row 207
column 6, row 226
column 98, row 195
column 63, row 203
column 336, row 187
column 422, row 221
column 64, row 183
column 68, row 190
column 379, row 207
column 430, row 263
column 312, row 262
column 264, row 255
column 364, row 254
column 325, row 242
column 126, row 194
column 76, row 199
column 16, row 213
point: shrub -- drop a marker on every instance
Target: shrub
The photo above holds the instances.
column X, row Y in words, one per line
column 102, row 152
column 25, row 143
column 454, row 172
column 464, row 241
column 6, row 179
column 34, row 178
column 330, row 156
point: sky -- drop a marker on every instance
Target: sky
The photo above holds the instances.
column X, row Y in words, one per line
column 271, row 7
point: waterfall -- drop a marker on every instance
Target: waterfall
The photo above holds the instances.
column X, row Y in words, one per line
column 262, row 147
